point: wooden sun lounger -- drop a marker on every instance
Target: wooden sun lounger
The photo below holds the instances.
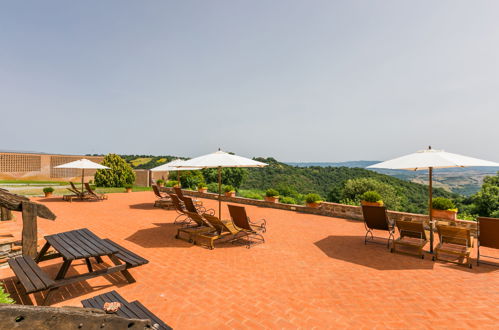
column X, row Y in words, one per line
column 454, row 241
column 223, row 229
column 181, row 211
column 158, row 193
column 412, row 234
column 201, row 226
column 241, row 220
column 131, row 310
column 488, row 236
column 92, row 194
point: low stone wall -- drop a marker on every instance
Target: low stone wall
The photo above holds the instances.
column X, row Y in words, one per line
column 328, row 209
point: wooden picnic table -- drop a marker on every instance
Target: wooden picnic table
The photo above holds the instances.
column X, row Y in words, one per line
column 82, row 244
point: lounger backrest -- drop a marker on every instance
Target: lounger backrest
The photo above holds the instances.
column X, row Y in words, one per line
column 179, row 192
column 454, row 235
column 411, row 229
column 219, row 225
column 197, row 219
column 488, row 232
column 176, row 202
column 87, row 187
column 375, row 217
column 73, row 186
column 239, row 217
column 189, row 204
column 156, row 191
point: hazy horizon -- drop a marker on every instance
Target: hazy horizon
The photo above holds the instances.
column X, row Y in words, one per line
column 300, row 81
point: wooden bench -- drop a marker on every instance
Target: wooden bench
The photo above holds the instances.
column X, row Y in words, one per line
column 31, row 276
column 131, row 259
column 132, row 310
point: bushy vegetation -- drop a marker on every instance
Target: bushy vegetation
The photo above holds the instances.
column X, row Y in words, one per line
column 119, row 174
column 128, row 186
column 171, row 183
column 228, row 188
column 230, row 176
column 253, row 194
column 271, row 193
column 287, row 200
column 48, row 190
column 485, row 202
column 160, row 182
column 354, row 190
column 371, row 196
column 442, row 203
column 5, row 297
column 188, row 179
column 313, row 198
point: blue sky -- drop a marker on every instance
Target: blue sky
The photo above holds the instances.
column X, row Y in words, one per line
column 295, row 80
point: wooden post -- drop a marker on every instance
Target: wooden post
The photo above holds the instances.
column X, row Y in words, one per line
column 30, row 232
column 430, row 205
column 5, row 214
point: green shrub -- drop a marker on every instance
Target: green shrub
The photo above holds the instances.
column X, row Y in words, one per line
column 313, row 198
column 171, row 183
column 371, row 196
column 250, row 194
column 213, row 187
column 119, row 174
column 229, row 188
column 202, row 185
column 48, row 190
column 160, row 181
column 442, row 203
column 5, row 297
column 271, row 193
column 128, row 186
column 189, row 179
column 354, row 188
column 287, row 200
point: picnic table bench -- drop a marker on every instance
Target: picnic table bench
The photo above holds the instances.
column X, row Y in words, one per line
column 73, row 245
column 131, row 310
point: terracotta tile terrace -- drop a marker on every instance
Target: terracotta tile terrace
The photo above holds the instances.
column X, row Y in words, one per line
column 312, row 272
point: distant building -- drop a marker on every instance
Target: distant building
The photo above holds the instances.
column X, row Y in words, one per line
column 40, row 166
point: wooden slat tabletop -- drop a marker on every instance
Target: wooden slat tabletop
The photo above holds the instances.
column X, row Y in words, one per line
column 80, row 244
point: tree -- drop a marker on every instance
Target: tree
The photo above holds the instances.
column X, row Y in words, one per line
column 119, row 174
column 188, row 179
column 233, row 176
column 354, row 188
column 486, row 201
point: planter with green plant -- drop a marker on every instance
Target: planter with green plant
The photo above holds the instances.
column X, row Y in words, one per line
column 128, row 188
column 172, row 183
column 272, row 195
column 313, row 200
column 160, row 182
column 371, row 198
column 48, row 191
column 443, row 208
column 202, row 187
column 230, row 191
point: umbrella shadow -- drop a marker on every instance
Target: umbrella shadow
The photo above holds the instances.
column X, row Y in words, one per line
column 163, row 235
column 352, row 249
column 143, row 206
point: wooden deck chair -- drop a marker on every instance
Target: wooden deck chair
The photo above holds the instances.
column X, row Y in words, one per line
column 181, row 195
column 454, row 241
column 241, row 219
column 412, row 234
column 223, row 229
column 488, row 236
column 201, row 227
column 182, row 216
column 192, row 207
column 93, row 194
column 375, row 217
column 158, row 193
column 76, row 191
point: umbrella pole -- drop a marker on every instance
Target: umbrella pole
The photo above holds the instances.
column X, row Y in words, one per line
column 82, row 178
column 430, row 187
column 220, row 192
column 178, row 178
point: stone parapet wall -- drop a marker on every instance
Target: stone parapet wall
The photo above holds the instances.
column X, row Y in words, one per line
column 329, row 209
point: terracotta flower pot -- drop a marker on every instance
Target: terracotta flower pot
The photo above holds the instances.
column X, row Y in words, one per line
column 203, row 190
column 272, row 199
column 230, row 194
column 48, row 194
column 128, row 190
column 366, row 203
column 159, row 184
column 314, row 204
column 444, row 214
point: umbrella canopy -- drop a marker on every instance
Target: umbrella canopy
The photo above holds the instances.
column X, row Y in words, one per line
column 428, row 160
column 83, row 164
column 220, row 159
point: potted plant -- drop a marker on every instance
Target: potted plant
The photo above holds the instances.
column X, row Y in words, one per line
column 48, row 191
column 172, row 183
column 128, row 188
column 229, row 191
column 443, row 208
column 371, row 198
column 272, row 195
column 160, row 182
column 202, row 187
column 313, row 200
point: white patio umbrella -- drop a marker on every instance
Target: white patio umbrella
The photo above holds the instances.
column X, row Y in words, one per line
column 219, row 160
column 428, row 160
column 83, row 164
column 174, row 166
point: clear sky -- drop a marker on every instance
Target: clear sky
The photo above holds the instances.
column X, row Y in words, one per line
column 296, row 80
